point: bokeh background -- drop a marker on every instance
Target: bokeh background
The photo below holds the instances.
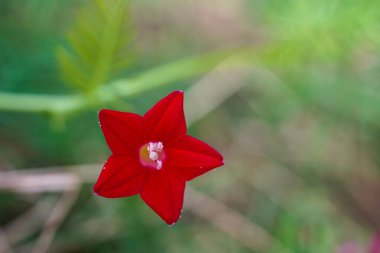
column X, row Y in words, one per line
column 288, row 91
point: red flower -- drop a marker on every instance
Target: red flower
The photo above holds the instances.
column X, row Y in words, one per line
column 153, row 156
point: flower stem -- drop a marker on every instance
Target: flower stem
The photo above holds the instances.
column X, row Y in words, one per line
column 62, row 104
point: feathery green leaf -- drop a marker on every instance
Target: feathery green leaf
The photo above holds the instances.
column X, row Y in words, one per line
column 98, row 44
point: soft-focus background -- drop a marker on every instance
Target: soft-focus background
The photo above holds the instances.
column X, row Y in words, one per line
column 288, row 91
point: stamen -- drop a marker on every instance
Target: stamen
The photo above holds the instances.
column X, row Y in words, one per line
column 152, row 155
column 159, row 165
column 159, row 146
column 155, row 146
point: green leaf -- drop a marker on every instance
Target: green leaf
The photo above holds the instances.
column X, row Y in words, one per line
column 98, row 45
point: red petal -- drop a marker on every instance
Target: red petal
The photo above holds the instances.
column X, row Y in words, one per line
column 191, row 158
column 166, row 120
column 121, row 176
column 164, row 194
column 123, row 131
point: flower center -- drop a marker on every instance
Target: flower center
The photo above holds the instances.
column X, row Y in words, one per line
column 152, row 154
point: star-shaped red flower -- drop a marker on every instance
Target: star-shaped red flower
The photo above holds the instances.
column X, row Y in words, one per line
column 153, row 156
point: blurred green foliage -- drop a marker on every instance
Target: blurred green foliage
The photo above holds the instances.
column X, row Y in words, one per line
column 310, row 32
column 300, row 136
column 99, row 41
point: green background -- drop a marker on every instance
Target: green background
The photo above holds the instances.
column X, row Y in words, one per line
column 288, row 91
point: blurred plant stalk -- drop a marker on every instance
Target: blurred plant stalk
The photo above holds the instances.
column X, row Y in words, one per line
column 123, row 88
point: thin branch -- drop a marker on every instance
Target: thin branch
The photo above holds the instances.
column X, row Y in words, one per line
column 4, row 243
column 28, row 222
column 218, row 214
column 55, row 219
column 230, row 221
column 39, row 181
column 36, row 181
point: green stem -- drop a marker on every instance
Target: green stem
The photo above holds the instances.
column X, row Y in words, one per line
column 159, row 76
column 39, row 103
